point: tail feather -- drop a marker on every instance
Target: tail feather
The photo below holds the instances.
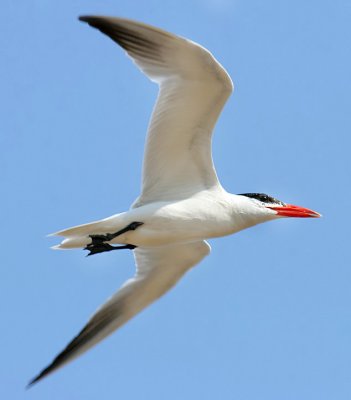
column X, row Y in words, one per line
column 97, row 227
column 79, row 230
column 78, row 236
column 73, row 243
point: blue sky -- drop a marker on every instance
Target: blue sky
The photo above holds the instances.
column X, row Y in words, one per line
column 267, row 315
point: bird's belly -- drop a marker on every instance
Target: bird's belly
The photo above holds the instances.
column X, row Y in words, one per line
column 176, row 223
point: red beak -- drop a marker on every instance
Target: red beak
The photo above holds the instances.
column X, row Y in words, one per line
column 295, row 211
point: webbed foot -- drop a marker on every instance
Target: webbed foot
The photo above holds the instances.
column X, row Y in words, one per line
column 102, row 247
column 98, row 242
column 97, row 239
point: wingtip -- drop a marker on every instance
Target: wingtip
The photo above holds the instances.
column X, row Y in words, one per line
column 84, row 18
column 43, row 374
column 33, row 381
column 30, row 385
column 90, row 19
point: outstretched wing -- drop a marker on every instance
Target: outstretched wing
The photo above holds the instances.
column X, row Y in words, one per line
column 193, row 88
column 158, row 270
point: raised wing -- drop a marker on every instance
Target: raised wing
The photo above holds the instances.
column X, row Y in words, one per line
column 158, row 270
column 193, row 90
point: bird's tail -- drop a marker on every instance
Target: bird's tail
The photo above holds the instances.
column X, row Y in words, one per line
column 78, row 236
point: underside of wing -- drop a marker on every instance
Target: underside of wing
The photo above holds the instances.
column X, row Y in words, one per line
column 193, row 90
column 158, row 270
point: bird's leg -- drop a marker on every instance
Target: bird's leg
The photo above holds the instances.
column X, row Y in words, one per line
column 97, row 239
column 102, row 247
column 98, row 242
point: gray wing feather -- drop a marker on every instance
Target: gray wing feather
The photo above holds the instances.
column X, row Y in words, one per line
column 193, row 90
column 157, row 271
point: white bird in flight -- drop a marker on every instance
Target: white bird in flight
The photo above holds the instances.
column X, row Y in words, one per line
column 182, row 202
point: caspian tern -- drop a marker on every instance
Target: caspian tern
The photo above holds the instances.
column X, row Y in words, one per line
column 182, row 203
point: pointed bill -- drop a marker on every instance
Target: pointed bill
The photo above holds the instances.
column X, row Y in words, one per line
column 289, row 210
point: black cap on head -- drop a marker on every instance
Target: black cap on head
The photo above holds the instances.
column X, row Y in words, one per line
column 264, row 198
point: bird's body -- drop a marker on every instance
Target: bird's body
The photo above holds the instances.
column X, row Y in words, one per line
column 207, row 214
column 182, row 202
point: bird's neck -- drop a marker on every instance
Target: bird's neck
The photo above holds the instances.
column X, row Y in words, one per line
column 244, row 214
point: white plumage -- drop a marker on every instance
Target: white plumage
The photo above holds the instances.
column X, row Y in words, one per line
column 182, row 202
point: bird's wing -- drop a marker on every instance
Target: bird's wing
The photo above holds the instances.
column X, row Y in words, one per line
column 193, row 88
column 158, row 270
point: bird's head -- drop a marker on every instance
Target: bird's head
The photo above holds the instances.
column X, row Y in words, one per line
column 265, row 204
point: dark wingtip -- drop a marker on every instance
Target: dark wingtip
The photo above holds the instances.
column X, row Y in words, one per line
column 30, row 384
column 34, row 381
column 42, row 374
column 84, row 18
column 91, row 19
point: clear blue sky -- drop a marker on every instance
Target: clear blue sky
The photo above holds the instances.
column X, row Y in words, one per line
column 268, row 314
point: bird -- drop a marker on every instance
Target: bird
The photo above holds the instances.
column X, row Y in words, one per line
column 182, row 203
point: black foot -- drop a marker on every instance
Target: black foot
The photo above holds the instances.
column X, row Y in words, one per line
column 102, row 247
column 98, row 239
